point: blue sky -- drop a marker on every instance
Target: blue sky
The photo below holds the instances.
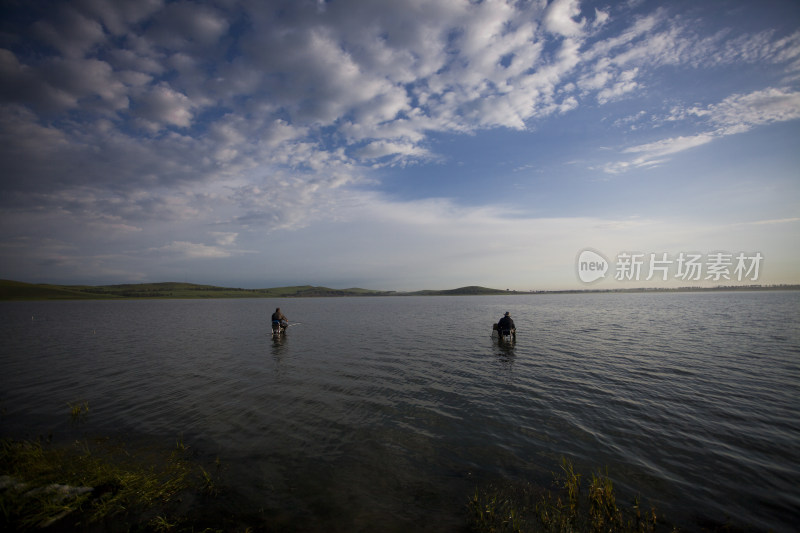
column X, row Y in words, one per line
column 398, row 145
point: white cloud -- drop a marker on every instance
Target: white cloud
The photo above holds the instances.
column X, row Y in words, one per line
column 379, row 149
column 185, row 25
column 88, row 78
column 135, row 114
column 600, row 17
column 124, row 59
column 161, row 106
column 776, row 221
column 193, row 250
column 651, row 154
column 560, row 18
column 120, row 15
column 625, row 84
column 754, row 109
column 225, row 238
column 58, row 83
column 606, row 49
column 490, row 245
column 70, row 32
column 735, row 114
column 595, row 80
column 27, row 147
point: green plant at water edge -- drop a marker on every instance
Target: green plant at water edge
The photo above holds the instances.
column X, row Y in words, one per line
column 567, row 508
column 603, row 508
column 160, row 523
column 93, row 482
column 570, row 481
column 209, row 487
column 78, row 410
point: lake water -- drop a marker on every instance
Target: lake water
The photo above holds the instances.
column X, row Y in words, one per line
column 386, row 413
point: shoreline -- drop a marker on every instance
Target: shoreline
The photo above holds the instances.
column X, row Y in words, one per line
column 21, row 291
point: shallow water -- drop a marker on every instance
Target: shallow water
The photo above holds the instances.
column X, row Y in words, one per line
column 385, row 413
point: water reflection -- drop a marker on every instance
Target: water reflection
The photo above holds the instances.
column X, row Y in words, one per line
column 279, row 347
column 502, row 346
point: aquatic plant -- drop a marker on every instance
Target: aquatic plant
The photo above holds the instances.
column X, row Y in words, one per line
column 78, row 410
column 524, row 508
column 161, row 523
column 209, row 486
column 92, row 482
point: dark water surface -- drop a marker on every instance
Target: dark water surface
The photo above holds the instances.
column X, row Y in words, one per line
column 385, row 414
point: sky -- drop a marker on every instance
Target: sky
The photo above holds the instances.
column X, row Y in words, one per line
column 422, row 144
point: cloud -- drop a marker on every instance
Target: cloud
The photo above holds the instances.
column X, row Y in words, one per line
column 655, row 153
column 625, row 84
column 776, row 221
column 380, row 149
column 193, row 250
column 755, row 109
column 70, row 32
column 490, row 245
column 560, row 18
column 147, row 120
column 600, row 17
column 60, row 84
column 224, row 238
column 161, row 106
column 119, row 16
column 282, row 95
column 181, row 25
column 735, row 114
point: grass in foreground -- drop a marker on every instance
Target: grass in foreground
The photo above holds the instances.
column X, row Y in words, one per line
column 101, row 485
column 94, row 484
column 569, row 508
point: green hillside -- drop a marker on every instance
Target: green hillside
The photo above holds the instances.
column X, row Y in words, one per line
column 15, row 290
column 309, row 291
column 471, row 290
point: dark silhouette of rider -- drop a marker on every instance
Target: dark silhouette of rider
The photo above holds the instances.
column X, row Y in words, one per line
column 277, row 316
column 506, row 324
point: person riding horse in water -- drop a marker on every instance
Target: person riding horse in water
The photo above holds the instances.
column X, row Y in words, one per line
column 279, row 319
column 506, row 324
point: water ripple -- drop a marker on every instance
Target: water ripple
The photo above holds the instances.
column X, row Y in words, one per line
column 689, row 399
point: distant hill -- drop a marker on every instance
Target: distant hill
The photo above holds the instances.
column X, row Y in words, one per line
column 15, row 290
column 470, row 290
column 306, row 291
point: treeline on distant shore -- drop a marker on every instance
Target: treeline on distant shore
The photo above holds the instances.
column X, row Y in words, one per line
column 17, row 290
